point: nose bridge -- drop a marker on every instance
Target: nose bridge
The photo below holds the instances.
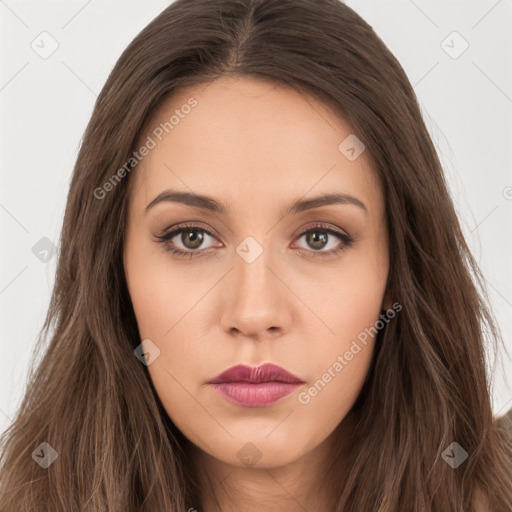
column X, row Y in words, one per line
column 256, row 302
column 253, row 275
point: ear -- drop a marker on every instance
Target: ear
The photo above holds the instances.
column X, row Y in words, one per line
column 386, row 301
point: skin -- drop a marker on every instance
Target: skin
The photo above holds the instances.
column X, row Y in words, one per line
column 256, row 146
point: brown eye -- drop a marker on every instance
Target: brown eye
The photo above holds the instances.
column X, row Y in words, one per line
column 319, row 237
column 192, row 238
column 316, row 239
column 186, row 240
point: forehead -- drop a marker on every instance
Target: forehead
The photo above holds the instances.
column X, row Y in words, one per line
column 246, row 137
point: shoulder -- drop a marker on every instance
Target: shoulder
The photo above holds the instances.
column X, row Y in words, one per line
column 505, row 421
column 480, row 503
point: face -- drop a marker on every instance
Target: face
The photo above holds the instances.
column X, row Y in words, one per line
column 245, row 278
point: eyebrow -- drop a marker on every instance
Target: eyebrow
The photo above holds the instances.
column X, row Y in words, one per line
column 211, row 204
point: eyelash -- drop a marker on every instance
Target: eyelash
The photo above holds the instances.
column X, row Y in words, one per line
column 165, row 240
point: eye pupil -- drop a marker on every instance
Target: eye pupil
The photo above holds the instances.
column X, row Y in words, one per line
column 196, row 238
column 317, row 237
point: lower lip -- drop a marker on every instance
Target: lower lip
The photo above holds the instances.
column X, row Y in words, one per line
column 254, row 394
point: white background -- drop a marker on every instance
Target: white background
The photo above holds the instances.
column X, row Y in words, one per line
column 46, row 104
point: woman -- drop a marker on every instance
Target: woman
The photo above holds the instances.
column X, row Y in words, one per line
column 263, row 298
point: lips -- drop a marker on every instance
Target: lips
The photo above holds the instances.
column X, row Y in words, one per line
column 258, row 386
column 256, row 374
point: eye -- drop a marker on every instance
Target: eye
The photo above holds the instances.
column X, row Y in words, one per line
column 189, row 239
column 317, row 237
column 185, row 240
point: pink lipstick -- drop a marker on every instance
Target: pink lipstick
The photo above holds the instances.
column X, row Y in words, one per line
column 255, row 386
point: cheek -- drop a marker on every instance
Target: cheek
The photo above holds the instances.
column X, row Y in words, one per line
column 156, row 293
column 339, row 364
column 338, row 375
column 325, row 401
column 338, row 367
column 160, row 300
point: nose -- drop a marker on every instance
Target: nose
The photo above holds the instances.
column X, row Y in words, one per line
column 257, row 300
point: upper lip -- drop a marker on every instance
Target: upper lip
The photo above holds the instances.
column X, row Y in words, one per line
column 267, row 372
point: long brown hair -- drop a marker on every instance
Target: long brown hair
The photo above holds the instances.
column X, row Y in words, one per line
column 92, row 400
